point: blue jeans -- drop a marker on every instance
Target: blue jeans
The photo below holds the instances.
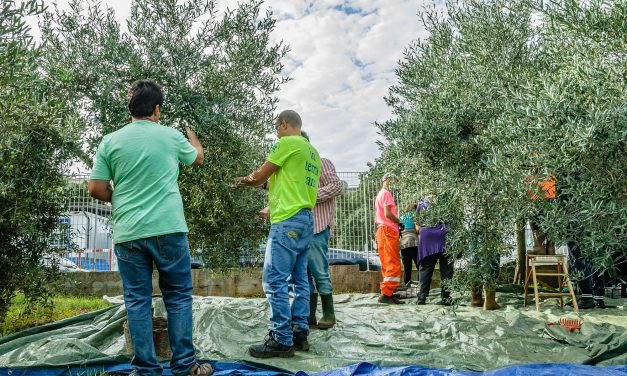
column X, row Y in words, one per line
column 170, row 253
column 286, row 256
column 318, row 264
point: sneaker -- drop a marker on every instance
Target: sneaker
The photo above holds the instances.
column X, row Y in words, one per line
column 585, row 303
column 198, row 369
column 271, row 348
column 421, row 301
column 599, row 303
column 300, row 341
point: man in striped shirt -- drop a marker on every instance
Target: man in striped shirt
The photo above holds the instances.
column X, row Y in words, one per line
column 329, row 187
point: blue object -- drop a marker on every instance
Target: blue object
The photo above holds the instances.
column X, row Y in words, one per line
column 253, row 369
column 408, row 220
column 125, row 369
column 171, row 255
column 546, row 369
column 318, row 263
column 286, row 255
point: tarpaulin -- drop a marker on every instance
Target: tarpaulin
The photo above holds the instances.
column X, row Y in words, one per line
column 221, row 368
column 459, row 338
column 547, row 369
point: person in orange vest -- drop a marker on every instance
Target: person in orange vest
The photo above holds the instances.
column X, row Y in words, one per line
column 386, row 219
column 540, row 244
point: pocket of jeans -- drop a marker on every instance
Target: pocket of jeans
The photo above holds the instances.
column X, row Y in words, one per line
column 123, row 250
column 173, row 246
column 291, row 236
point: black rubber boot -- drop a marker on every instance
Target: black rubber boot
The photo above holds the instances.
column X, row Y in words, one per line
column 445, row 302
column 313, row 305
column 328, row 312
column 271, row 348
column 384, row 299
column 397, row 300
column 586, row 303
column 300, row 341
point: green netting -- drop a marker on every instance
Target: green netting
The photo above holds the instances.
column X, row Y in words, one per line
column 444, row 337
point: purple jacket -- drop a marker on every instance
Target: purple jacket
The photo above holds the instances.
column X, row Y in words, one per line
column 432, row 239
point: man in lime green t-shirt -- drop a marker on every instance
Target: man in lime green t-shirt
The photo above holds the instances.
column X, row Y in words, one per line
column 292, row 171
column 142, row 159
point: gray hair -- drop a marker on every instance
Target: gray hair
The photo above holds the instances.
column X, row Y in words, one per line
column 304, row 134
column 291, row 117
column 389, row 176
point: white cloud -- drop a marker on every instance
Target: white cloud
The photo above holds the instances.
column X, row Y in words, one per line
column 342, row 60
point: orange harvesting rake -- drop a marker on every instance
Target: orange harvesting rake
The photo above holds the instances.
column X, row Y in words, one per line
column 570, row 324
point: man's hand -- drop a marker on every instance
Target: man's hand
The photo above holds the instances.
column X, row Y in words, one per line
column 264, row 213
column 389, row 215
column 239, row 182
column 193, row 139
column 100, row 189
column 257, row 178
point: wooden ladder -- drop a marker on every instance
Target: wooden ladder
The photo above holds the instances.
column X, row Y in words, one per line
column 560, row 270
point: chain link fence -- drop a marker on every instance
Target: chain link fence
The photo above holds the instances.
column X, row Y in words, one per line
column 86, row 230
column 87, row 225
column 354, row 214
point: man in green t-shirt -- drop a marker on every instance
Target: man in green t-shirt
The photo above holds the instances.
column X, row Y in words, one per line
column 142, row 159
column 292, row 171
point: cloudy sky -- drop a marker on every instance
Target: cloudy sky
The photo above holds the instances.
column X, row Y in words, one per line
column 342, row 60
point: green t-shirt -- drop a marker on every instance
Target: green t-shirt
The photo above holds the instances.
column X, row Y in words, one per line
column 143, row 159
column 294, row 186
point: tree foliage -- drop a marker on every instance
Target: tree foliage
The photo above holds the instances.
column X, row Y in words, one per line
column 36, row 132
column 503, row 94
column 219, row 74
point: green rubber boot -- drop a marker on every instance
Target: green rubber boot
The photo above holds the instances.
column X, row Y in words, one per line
column 328, row 312
column 313, row 305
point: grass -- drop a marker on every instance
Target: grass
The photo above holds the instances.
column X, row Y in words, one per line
column 21, row 317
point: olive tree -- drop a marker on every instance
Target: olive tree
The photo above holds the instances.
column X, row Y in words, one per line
column 575, row 110
column 36, row 138
column 505, row 93
column 219, row 73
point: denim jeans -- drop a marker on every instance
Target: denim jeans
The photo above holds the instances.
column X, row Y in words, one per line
column 170, row 253
column 318, row 264
column 286, row 256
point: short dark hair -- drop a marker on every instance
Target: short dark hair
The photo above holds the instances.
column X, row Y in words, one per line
column 143, row 97
column 291, row 117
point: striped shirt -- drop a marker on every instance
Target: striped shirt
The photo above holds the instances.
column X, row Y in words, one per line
column 329, row 187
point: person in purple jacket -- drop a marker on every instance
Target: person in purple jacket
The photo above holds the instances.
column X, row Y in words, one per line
column 431, row 248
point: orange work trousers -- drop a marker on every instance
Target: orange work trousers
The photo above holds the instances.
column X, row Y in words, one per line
column 389, row 254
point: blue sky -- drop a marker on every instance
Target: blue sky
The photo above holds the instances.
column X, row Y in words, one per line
column 342, row 60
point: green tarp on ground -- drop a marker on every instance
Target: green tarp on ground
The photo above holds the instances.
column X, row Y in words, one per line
column 431, row 335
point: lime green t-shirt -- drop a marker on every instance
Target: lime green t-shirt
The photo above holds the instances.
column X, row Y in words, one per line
column 143, row 160
column 294, row 186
